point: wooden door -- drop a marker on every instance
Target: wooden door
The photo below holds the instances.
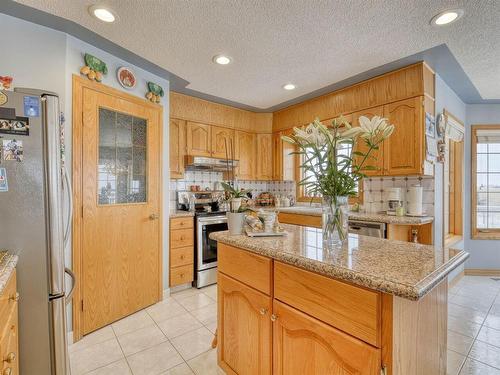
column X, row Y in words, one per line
column 244, row 328
column 404, row 150
column 198, row 139
column 277, row 157
column 222, row 138
column 246, row 154
column 264, row 157
column 304, row 345
column 177, row 146
column 121, row 187
column 376, row 158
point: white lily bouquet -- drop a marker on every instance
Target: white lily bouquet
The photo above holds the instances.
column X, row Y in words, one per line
column 331, row 170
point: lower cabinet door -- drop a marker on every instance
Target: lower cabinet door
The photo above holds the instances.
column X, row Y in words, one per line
column 244, row 328
column 304, row 345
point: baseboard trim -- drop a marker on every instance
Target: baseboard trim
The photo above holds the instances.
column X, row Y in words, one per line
column 481, row 272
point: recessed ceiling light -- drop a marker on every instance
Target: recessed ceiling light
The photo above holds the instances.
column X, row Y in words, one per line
column 289, row 86
column 447, row 17
column 221, row 59
column 103, row 13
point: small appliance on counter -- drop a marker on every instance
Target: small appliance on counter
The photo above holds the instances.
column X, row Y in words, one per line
column 394, row 200
column 264, row 199
column 415, row 199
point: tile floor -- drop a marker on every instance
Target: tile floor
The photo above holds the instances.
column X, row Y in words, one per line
column 173, row 337
column 474, row 327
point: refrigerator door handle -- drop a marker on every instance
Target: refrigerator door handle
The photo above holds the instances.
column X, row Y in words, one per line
column 69, row 191
column 70, row 273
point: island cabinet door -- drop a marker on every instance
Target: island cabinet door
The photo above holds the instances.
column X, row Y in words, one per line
column 305, row 345
column 244, row 328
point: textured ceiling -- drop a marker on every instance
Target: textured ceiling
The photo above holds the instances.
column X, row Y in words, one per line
column 312, row 43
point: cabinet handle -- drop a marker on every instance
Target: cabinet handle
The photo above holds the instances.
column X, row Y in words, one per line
column 263, row 311
column 11, row 357
column 274, row 317
column 7, row 371
column 14, row 297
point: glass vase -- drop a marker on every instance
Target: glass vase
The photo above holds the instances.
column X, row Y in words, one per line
column 335, row 220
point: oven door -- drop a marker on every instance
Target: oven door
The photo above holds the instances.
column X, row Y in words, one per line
column 207, row 248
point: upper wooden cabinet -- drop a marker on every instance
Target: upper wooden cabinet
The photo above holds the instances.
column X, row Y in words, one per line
column 264, row 157
column 376, row 158
column 244, row 328
column 323, row 349
column 277, row 157
column 222, row 138
column 404, row 150
column 177, row 148
column 198, row 139
column 245, row 148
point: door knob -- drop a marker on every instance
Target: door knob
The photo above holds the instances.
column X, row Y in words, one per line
column 154, row 217
column 274, row 317
column 263, row 311
column 7, row 371
column 14, row 297
column 11, row 357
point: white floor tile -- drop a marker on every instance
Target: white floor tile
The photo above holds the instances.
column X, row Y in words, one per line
column 472, row 367
column 182, row 369
column 466, row 313
column 95, row 356
column 193, row 343
column 185, row 293
column 196, row 301
column 165, row 309
column 464, row 327
column 132, row 323
column 486, row 353
column 116, row 368
column 154, row 360
column 455, row 362
column 179, row 325
column 101, row 335
column 141, row 339
column 206, row 314
column 493, row 321
column 459, row 343
column 206, row 364
column 490, row 336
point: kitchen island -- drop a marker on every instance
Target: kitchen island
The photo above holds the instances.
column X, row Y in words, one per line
column 290, row 306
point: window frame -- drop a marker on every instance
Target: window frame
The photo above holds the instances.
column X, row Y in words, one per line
column 301, row 197
column 479, row 233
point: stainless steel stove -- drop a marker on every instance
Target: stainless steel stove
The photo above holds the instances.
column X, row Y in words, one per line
column 208, row 219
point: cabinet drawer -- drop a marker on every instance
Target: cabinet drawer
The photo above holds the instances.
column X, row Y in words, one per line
column 297, row 219
column 251, row 269
column 8, row 298
column 181, row 275
column 181, row 223
column 9, row 352
column 181, row 238
column 351, row 309
column 181, row 256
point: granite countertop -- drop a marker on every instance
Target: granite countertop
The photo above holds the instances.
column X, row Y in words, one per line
column 403, row 269
column 179, row 213
column 8, row 263
column 378, row 217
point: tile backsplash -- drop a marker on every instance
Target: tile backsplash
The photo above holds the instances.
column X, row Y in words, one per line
column 210, row 180
column 375, row 191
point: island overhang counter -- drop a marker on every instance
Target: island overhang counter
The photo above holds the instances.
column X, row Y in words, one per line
column 289, row 305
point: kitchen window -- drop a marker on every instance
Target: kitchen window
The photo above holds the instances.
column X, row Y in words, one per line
column 485, row 181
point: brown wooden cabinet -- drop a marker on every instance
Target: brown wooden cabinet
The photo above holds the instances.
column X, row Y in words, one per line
column 245, row 149
column 222, row 142
column 199, row 141
column 376, row 158
column 9, row 341
column 264, row 157
column 244, row 327
column 177, row 134
column 404, row 150
column 277, row 157
column 305, row 345
column 181, row 250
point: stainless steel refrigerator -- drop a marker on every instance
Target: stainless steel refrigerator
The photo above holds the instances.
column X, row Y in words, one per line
column 35, row 217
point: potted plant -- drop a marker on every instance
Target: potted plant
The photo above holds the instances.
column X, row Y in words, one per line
column 331, row 170
column 236, row 214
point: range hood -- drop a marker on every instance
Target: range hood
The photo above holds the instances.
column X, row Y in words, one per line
column 201, row 163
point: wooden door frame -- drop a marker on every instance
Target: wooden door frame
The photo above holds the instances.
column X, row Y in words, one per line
column 79, row 84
